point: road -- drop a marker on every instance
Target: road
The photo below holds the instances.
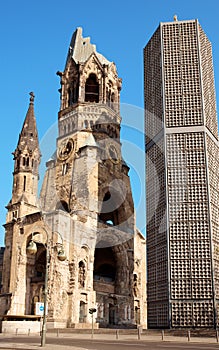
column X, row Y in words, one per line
column 61, row 343
column 141, row 345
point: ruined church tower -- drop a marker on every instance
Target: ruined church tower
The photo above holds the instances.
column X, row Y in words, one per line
column 86, row 200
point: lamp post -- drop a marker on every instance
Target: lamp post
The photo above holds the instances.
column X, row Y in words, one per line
column 32, row 249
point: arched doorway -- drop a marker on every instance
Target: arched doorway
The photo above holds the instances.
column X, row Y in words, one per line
column 82, row 312
column 35, row 279
column 112, row 314
column 137, row 314
column 105, row 272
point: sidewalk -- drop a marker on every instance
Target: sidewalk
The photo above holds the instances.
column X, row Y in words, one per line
column 54, row 342
column 33, row 343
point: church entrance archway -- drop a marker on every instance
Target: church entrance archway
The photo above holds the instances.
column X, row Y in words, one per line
column 35, row 278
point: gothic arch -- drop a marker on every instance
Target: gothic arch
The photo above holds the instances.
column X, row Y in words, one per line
column 112, row 206
column 72, row 92
column 108, row 213
column 92, row 89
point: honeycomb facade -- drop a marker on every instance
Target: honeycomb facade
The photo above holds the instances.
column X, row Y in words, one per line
column 182, row 176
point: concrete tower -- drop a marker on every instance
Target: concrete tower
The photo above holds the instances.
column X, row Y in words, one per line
column 182, row 177
column 86, row 200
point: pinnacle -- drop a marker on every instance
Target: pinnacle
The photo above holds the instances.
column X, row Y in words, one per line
column 29, row 135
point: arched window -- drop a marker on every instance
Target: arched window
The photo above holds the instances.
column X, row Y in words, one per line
column 70, row 97
column 135, row 285
column 81, row 274
column 64, row 168
column 73, row 93
column 112, row 104
column 24, row 184
column 92, row 89
column 113, row 97
column 108, row 213
column 109, row 93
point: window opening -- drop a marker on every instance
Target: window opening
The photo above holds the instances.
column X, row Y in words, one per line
column 92, row 89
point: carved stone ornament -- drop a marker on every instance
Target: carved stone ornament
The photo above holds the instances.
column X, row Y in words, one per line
column 65, row 149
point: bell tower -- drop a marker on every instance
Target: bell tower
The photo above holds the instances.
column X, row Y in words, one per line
column 88, row 76
column 88, row 121
column 86, row 199
column 88, row 182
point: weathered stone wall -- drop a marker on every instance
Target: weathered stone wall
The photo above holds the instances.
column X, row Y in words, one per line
column 85, row 207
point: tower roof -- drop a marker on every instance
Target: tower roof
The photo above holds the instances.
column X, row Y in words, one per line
column 80, row 48
column 29, row 135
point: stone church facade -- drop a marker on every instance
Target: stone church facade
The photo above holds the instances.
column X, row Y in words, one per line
column 85, row 207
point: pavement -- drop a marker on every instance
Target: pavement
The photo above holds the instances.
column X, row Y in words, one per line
column 54, row 341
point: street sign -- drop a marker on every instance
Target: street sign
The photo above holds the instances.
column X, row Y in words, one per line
column 39, row 309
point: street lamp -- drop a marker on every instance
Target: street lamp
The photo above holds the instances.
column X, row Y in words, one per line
column 32, row 249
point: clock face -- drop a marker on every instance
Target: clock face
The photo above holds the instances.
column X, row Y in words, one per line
column 65, row 149
column 113, row 153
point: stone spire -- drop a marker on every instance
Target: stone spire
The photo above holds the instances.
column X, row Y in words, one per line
column 28, row 137
column 27, row 159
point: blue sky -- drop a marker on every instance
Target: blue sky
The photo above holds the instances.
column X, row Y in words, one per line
column 34, row 41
